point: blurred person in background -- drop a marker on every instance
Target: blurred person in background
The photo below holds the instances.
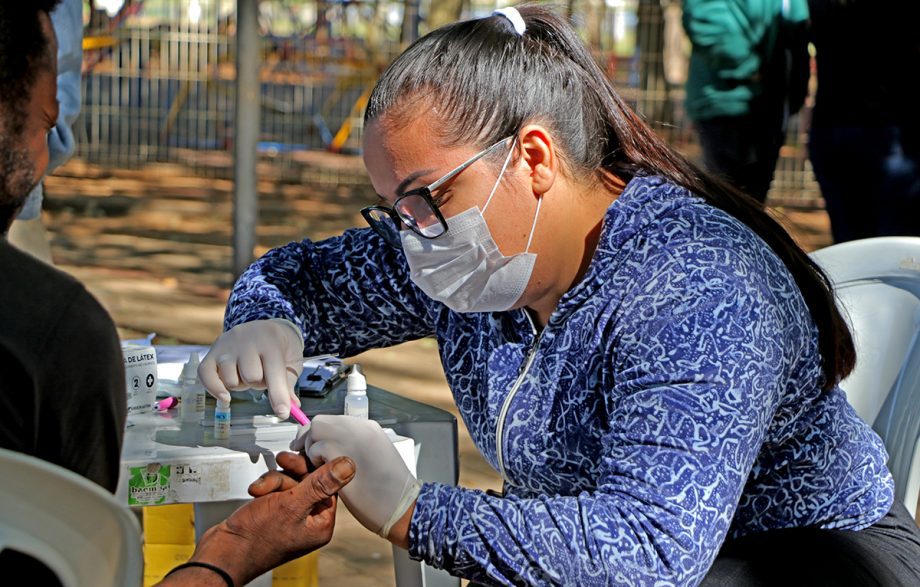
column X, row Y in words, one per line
column 864, row 140
column 28, row 232
column 749, row 70
column 644, row 355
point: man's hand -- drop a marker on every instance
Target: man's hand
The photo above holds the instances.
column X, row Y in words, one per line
column 289, row 518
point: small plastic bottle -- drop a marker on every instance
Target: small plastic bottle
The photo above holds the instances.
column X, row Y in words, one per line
column 356, row 395
column 193, row 394
column 222, row 420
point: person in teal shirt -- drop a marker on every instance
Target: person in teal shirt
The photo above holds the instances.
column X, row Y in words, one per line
column 748, row 73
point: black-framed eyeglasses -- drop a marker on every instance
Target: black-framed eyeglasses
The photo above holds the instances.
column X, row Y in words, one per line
column 417, row 209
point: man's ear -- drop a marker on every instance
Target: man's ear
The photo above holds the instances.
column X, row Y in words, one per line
column 539, row 153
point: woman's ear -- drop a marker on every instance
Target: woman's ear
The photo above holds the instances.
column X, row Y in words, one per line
column 539, row 153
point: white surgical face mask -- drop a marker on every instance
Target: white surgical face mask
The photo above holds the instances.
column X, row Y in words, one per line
column 463, row 268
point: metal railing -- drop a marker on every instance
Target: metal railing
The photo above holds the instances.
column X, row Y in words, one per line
column 160, row 86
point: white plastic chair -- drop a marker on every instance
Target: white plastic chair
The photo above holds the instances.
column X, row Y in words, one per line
column 877, row 283
column 73, row 526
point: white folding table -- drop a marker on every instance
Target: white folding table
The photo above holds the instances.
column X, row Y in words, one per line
column 166, row 461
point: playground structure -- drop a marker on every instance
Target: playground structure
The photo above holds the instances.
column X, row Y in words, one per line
column 159, row 84
column 155, row 86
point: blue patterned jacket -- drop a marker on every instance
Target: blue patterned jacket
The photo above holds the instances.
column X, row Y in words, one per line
column 672, row 400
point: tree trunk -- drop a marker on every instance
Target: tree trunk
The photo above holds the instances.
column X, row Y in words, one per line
column 653, row 101
column 410, row 21
column 444, row 12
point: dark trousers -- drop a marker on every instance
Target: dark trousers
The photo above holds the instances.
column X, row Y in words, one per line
column 885, row 554
column 743, row 150
column 870, row 179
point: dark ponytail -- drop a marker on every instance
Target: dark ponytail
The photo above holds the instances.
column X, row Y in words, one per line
column 487, row 82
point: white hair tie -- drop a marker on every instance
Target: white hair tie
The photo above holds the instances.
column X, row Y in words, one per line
column 514, row 16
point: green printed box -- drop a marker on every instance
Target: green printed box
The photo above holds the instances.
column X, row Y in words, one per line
column 149, row 484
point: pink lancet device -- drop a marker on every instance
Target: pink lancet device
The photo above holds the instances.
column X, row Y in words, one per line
column 298, row 415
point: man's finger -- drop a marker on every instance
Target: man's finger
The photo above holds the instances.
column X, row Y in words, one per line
column 271, row 482
column 294, row 464
column 327, row 481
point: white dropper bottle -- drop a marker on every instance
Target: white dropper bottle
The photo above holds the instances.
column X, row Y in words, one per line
column 356, row 395
column 192, row 395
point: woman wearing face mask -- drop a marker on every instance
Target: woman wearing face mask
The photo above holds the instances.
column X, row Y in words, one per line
column 646, row 358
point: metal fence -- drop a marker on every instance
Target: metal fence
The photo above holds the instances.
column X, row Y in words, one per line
column 158, row 84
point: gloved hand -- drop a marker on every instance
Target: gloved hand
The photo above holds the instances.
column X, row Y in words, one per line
column 262, row 354
column 383, row 488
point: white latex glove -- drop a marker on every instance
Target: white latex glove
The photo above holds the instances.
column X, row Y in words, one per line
column 383, row 488
column 262, row 354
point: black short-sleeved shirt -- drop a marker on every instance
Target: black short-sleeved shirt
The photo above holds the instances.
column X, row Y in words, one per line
column 62, row 382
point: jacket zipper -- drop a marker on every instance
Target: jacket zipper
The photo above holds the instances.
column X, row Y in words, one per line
column 499, row 429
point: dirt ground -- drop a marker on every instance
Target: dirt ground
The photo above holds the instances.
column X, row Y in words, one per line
column 153, row 245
